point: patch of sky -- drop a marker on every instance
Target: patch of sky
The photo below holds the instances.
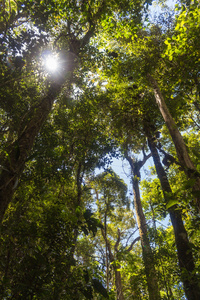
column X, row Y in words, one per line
column 161, row 12
column 119, row 165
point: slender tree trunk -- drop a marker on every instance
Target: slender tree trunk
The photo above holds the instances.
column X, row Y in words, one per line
column 180, row 146
column 148, row 259
column 77, row 203
column 106, row 241
column 116, row 266
column 184, row 251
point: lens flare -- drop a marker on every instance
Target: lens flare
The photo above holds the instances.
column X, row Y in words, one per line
column 51, row 63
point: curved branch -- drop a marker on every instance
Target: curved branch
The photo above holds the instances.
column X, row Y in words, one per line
column 134, row 241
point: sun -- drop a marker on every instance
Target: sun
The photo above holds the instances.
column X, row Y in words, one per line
column 51, row 63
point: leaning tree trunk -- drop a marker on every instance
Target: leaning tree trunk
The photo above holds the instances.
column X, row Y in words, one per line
column 148, row 259
column 184, row 251
column 17, row 153
column 181, row 149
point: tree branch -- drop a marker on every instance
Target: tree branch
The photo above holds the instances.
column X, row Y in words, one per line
column 134, row 241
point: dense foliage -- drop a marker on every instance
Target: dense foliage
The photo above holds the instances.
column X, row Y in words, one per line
column 126, row 86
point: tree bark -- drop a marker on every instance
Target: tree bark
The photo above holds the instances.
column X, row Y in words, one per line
column 184, row 251
column 148, row 259
column 181, row 149
column 118, row 283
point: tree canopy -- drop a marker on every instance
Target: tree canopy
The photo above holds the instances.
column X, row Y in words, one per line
column 83, row 82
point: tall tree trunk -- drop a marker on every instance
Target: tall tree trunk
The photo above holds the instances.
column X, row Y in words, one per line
column 184, row 251
column 148, row 259
column 180, row 146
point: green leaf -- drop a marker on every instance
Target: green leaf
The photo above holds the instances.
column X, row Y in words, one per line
column 171, row 203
